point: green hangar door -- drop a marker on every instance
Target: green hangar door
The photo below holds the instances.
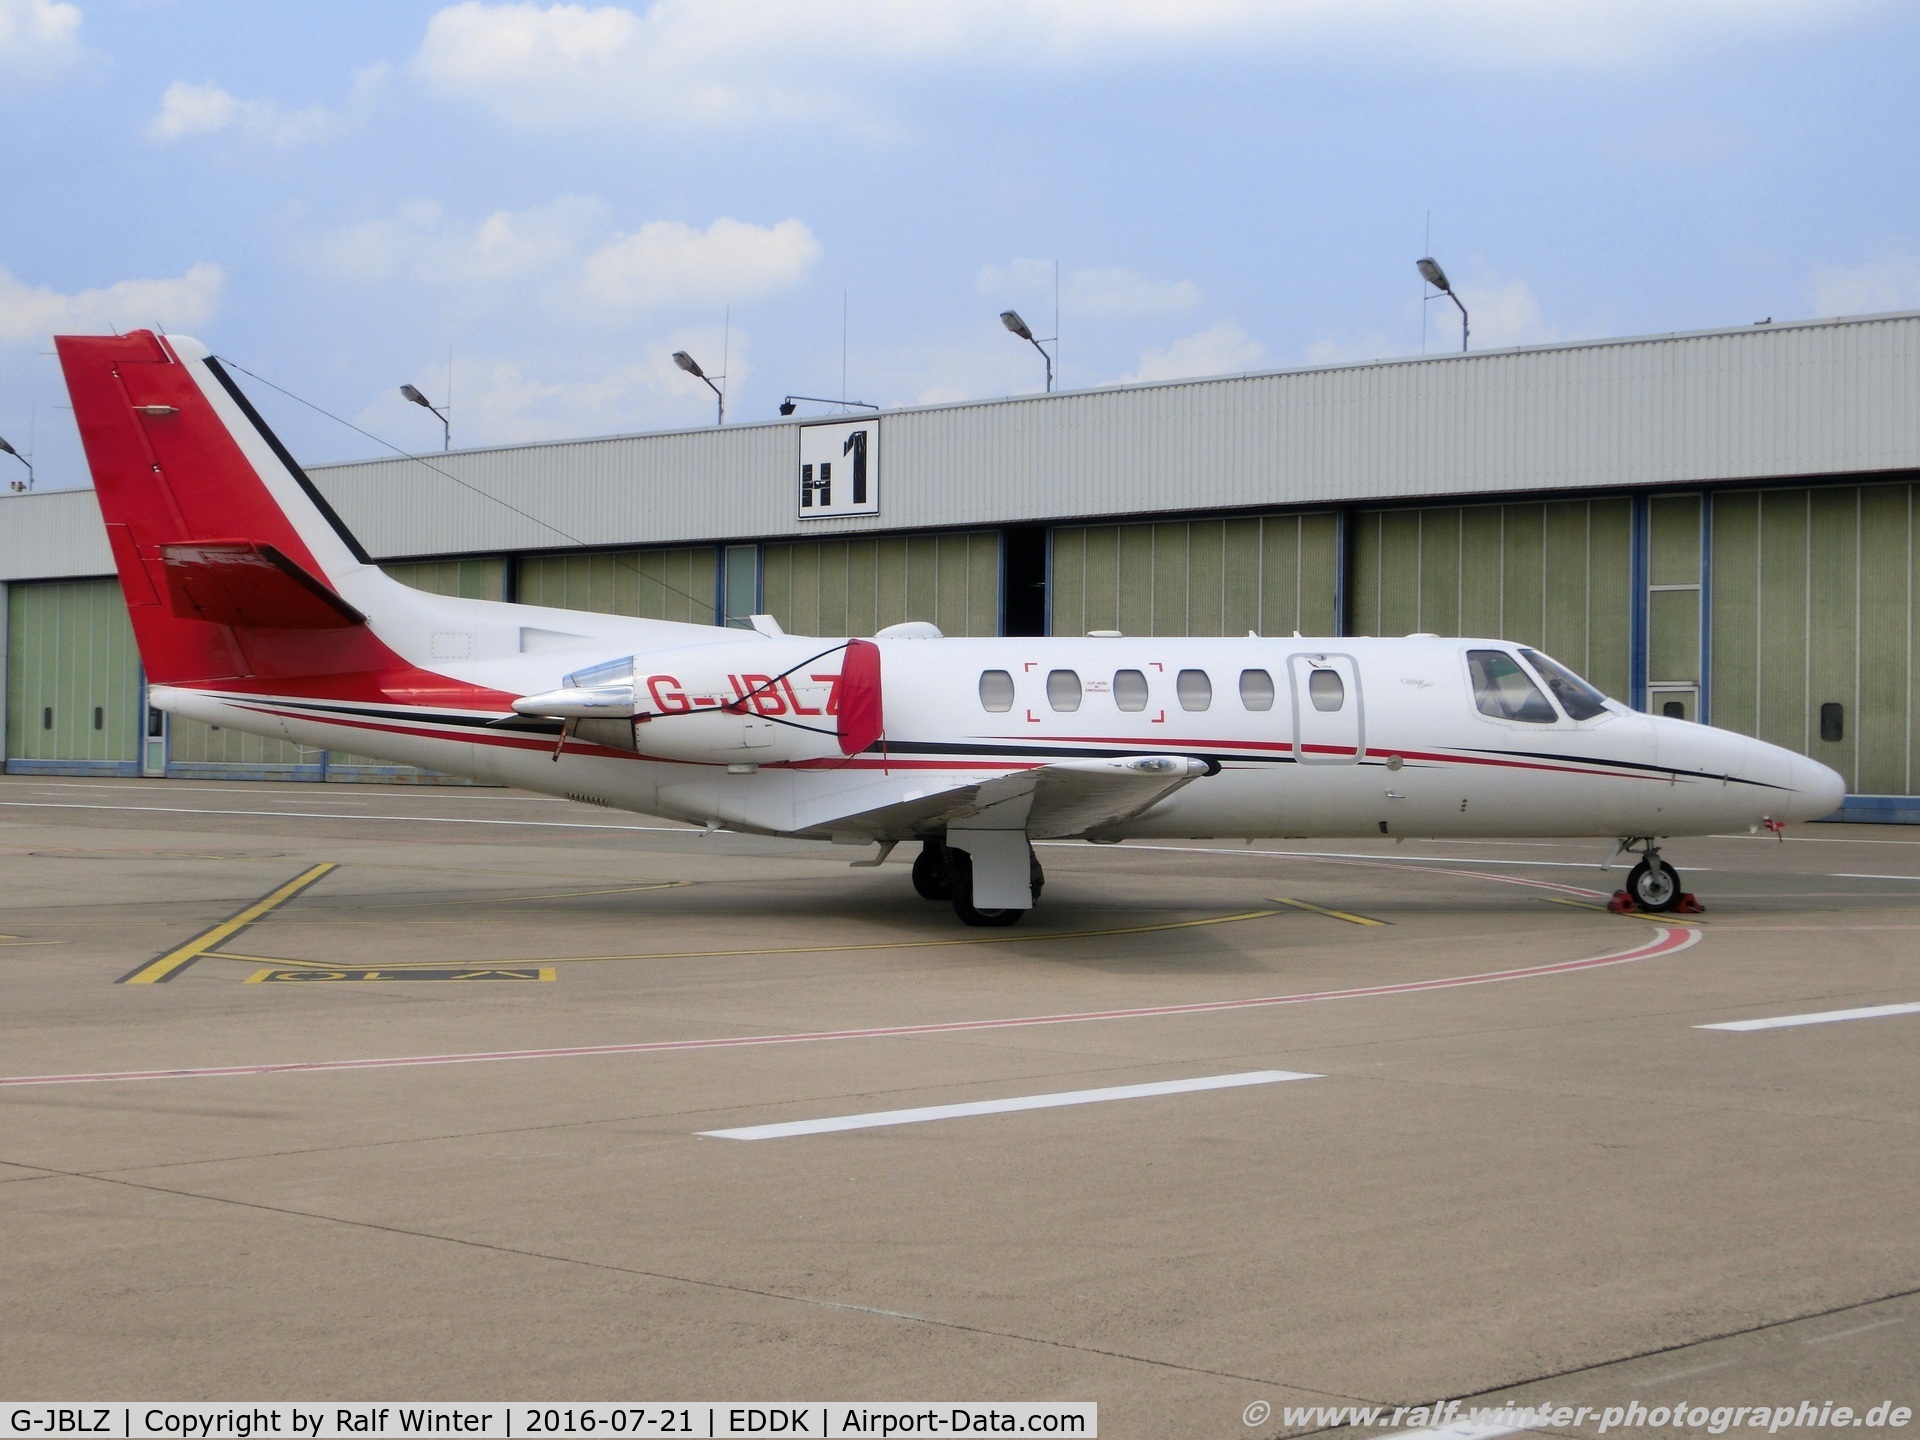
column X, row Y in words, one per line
column 1816, row 615
column 1556, row 574
column 1274, row 574
column 73, row 680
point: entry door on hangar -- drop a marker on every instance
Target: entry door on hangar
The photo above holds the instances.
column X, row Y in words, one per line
column 1328, row 726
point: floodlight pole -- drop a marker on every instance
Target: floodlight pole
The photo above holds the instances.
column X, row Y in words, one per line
column 8, row 449
column 1431, row 272
column 1011, row 319
column 692, row 366
column 412, row 392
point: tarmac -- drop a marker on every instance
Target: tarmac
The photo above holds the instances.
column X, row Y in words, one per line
column 355, row 1092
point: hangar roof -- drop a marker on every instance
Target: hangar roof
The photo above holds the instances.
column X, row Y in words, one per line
column 1803, row 398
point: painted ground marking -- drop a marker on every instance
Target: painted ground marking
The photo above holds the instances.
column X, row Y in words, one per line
column 1667, row 942
column 1330, row 914
column 163, row 968
column 1819, row 1017
column 382, row 973
column 875, row 1119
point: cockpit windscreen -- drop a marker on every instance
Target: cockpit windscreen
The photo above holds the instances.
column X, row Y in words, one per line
column 1576, row 696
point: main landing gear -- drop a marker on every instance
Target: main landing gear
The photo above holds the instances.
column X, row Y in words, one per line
column 943, row 873
column 1652, row 884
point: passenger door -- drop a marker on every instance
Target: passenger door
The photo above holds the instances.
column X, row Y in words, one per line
column 1328, row 722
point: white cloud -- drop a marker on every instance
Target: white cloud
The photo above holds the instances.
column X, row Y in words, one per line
column 1501, row 316
column 424, row 244
column 703, row 63
column 565, row 256
column 666, row 262
column 1118, row 294
column 188, row 110
column 1087, row 294
column 36, row 35
column 1892, row 283
column 31, row 313
column 497, row 400
column 1223, row 349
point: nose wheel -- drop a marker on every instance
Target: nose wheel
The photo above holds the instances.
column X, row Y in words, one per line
column 1653, row 884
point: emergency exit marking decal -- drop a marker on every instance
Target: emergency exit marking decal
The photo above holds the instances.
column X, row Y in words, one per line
column 839, row 469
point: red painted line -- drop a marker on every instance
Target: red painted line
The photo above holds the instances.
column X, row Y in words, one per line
column 1665, row 942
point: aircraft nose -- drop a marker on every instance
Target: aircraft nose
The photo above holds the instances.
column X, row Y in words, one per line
column 1817, row 790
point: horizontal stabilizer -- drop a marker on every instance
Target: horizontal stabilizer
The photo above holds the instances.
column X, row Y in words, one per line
column 242, row 583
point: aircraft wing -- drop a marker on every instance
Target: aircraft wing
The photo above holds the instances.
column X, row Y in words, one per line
column 1068, row 798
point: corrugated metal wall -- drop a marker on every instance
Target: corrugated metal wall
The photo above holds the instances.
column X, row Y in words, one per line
column 1555, row 575
column 73, row 679
column 675, row 584
column 858, row 586
column 1270, row 573
column 1814, row 603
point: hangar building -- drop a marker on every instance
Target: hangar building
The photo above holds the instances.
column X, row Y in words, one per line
column 1723, row 525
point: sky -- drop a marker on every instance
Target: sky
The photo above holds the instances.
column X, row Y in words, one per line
column 340, row 197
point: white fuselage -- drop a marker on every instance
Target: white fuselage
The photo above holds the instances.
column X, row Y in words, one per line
column 1406, row 753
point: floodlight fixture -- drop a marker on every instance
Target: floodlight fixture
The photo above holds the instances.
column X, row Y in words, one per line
column 692, row 366
column 17, row 485
column 412, row 393
column 1431, row 272
column 787, row 405
column 1011, row 319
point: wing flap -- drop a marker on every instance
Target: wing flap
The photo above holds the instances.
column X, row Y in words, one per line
column 1064, row 799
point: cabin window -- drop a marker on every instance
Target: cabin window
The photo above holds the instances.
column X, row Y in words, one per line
column 1576, row 696
column 1326, row 689
column 99, row 718
column 1833, row 722
column 1194, row 689
column 996, row 690
column 1505, row 691
column 1130, row 689
column 1256, row 689
column 1063, row 689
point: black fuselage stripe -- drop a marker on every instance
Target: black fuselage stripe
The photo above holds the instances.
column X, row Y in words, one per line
column 327, row 512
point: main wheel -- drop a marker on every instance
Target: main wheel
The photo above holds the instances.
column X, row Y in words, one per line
column 1654, row 885
column 930, row 874
column 960, row 868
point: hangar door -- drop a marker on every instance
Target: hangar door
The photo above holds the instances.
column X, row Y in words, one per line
column 857, row 586
column 1557, row 575
column 73, row 678
column 1269, row 573
column 1815, row 625
column 667, row 584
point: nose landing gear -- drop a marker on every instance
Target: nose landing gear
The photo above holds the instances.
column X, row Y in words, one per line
column 1652, row 884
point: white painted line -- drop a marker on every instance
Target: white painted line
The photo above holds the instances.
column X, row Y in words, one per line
column 1821, row 1017
column 1844, row 875
column 876, row 1118
column 1857, row 1330
column 1461, row 1430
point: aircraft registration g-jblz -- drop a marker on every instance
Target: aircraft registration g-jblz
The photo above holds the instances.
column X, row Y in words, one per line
column 254, row 607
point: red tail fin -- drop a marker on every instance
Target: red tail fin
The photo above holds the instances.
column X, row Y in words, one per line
column 228, row 556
